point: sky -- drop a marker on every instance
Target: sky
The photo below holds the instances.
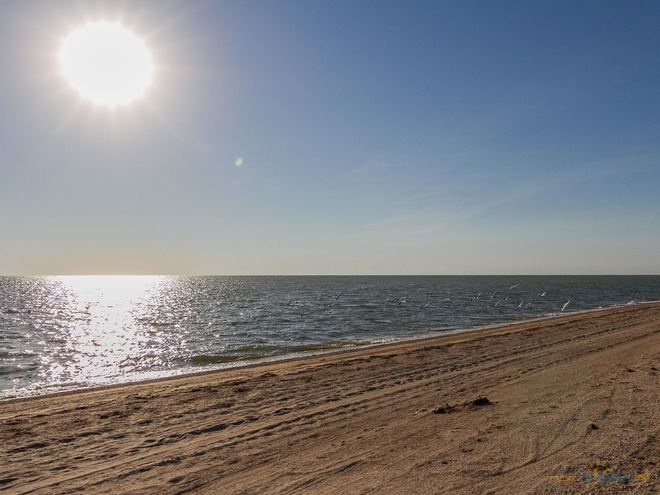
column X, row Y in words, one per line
column 376, row 138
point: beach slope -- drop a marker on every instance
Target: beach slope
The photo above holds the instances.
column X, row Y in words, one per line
column 568, row 397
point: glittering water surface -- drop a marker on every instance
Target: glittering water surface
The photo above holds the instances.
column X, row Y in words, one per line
column 59, row 333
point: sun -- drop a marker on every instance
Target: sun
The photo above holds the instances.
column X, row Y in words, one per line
column 106, row 63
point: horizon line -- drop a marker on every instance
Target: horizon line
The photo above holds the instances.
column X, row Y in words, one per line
column 333, row 275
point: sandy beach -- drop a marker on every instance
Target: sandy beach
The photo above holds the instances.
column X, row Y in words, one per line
column 565, row 396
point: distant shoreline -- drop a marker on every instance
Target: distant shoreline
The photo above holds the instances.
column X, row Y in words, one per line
column 341, row 275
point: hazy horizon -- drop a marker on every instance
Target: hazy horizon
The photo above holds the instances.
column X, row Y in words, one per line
column 330, row 275
column 337, row 138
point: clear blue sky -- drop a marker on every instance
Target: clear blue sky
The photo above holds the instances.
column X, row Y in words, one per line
column 377, row 137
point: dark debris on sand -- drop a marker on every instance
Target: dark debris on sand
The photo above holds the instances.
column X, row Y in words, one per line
column 476, row 403
column 446, row 409
column 482, row 400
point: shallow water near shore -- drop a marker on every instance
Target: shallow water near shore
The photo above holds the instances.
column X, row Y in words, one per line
column 63, row 333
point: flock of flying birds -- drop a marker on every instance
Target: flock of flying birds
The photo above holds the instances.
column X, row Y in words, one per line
column 522, row 303
column 329, row 307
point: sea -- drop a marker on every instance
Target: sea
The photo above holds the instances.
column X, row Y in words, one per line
column 60, row 333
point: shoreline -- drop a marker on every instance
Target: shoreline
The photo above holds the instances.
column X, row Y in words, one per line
column 290, row 357
column 565, row 395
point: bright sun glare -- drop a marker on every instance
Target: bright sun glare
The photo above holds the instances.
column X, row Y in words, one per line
column 106, row 63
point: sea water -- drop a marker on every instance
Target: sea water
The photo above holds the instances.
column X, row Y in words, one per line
column 63, row 333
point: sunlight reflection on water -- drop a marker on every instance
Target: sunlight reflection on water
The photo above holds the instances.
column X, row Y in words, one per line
column 59, row 333
column 105, row 335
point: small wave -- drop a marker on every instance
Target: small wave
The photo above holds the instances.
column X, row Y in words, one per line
column 11, row 369
column 4, row 354
column 258, row 348
column 161, row 323
column 206, row 359
column 8, row 369
column 234, row 323
column 269, row 352
column 337, row 344
column 154, row 322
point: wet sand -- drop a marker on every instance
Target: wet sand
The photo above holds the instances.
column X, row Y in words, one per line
column 566, row 396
